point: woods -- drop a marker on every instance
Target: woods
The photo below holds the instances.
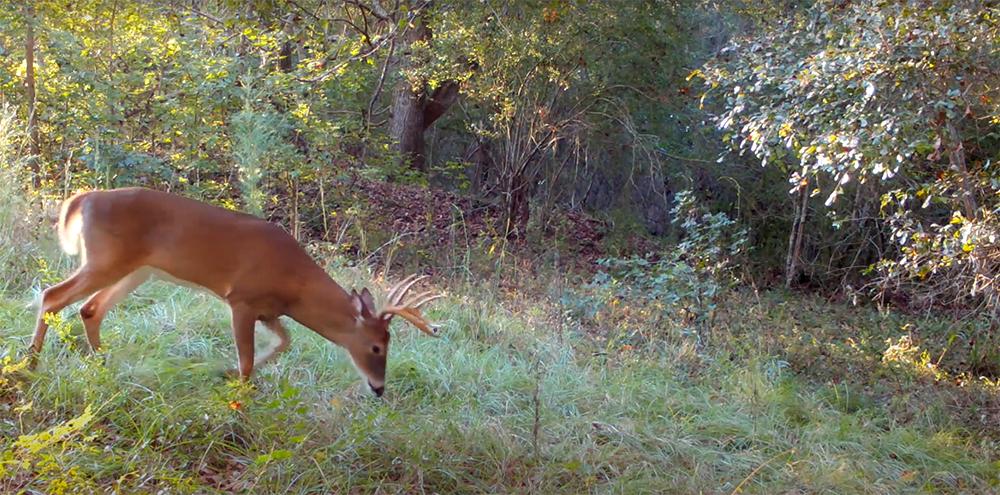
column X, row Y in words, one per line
column 685, row 246
column 510, row 95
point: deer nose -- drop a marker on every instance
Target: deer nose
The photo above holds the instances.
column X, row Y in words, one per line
column 378, row 390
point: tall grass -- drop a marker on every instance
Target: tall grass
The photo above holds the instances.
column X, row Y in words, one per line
column 513, row 398
column 19, row 220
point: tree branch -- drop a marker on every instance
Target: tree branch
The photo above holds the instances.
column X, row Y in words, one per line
column 381, row 81
column 440, row 101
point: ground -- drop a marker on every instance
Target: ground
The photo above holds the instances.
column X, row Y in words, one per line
column 790, row 394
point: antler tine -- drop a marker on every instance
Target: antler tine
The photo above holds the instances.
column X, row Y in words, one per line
column 392, row 290
column 422, row 298
column 404, row 288
column 413, row 316
column 410, row 311
column 390, row 296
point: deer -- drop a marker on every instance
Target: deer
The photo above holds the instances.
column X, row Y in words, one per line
column 126, row 236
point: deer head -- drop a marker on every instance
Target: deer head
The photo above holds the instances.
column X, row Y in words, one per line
column 371, row 347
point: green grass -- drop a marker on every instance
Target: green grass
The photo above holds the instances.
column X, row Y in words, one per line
column 502, row 403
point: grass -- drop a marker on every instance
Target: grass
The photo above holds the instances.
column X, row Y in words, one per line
column 509, row 400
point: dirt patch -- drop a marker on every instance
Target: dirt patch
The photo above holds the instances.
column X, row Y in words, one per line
column 430, row 217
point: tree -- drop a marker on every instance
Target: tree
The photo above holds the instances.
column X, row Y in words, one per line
column 891, row 112
column 416, row 105
column 562, row 95
column 29, row 91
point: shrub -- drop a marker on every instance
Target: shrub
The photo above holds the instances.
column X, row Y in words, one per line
column 685, row 280
column 18, row 221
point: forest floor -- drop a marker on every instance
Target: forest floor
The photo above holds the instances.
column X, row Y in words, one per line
column 788, row 394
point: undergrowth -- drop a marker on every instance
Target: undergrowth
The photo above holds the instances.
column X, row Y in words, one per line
column 512, row 398
column 537, row 385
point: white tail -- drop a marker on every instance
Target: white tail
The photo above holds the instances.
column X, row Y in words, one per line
column 69, row 228
column 125, row 235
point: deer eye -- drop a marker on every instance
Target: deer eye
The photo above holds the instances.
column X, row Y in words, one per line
column 376, row 349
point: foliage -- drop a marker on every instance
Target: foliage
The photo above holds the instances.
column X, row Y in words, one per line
column 257, row 141
column 686, row 280
column 891, row 99
column 152, row 93
column 551, row 96
column 43, row 455
column 18, row 217
column 459, row 411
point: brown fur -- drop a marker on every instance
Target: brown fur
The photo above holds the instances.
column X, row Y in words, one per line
column 125, row 235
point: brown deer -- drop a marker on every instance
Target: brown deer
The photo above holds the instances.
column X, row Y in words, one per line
column 124, row 236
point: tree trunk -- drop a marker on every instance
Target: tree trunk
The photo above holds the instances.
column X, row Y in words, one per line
column 518, row 209
column 481, row 164
column 406, row 125
column 956, row 158
column 795, row 238
column 29, row 87
column 406, row 122
column 413, row 109
column 984, row 280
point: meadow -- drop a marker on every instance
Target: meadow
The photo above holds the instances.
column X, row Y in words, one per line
column 516, row 396
column 686, row 247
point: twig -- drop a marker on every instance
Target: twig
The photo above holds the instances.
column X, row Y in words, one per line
column 333, row 70
column 304, row 10
column 381, row 81
column 684, row 158
column 390, row 37
column 534, row 398
column 210, row 17
column 758, row 468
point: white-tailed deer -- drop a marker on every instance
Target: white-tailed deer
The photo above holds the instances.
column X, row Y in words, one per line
column 124, row 236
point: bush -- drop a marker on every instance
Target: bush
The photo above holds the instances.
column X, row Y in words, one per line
column 18, row 220
column 685, row 280
column 890, row 111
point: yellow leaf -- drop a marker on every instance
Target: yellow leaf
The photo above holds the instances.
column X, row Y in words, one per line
column 24, row 407
column 785, row 130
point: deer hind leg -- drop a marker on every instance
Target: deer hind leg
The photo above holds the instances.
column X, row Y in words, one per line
column 96, row 308
column 84, row 282
column 275, row 326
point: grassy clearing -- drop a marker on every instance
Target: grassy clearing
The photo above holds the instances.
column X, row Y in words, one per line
column 508, row 400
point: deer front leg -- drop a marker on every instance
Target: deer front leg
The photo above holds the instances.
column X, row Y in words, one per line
column 243, row 325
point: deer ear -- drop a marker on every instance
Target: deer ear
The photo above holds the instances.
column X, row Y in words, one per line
column 368, row 300
column 356, row 302
column 363, row 303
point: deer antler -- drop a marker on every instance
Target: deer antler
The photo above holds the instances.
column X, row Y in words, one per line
column 410, row 311
column 398, row 291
